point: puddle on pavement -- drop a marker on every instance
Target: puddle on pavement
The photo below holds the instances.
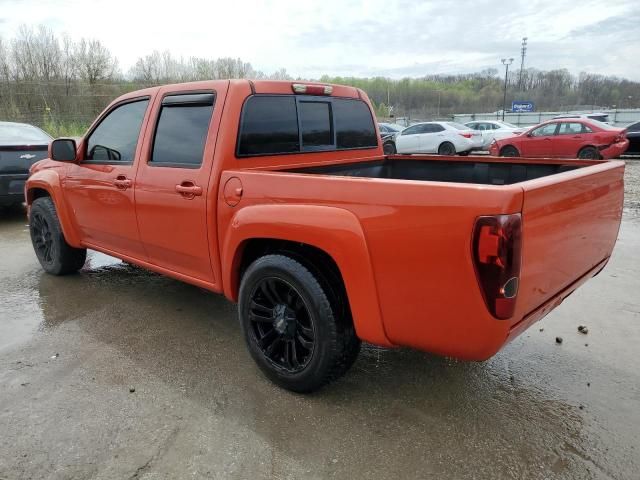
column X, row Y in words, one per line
column 22, row 309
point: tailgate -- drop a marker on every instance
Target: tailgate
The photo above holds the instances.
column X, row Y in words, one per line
column 570, row 223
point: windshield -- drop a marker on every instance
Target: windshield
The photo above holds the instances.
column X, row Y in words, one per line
column 457, row 125
column 599, row 118
column 20, row 134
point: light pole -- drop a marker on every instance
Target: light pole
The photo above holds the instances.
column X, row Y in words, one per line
column 506, row 64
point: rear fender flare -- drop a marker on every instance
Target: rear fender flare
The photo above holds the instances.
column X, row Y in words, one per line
column 49, row 180
column 334, row 230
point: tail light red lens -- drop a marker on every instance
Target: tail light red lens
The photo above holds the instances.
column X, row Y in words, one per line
column 466, row 135
column 497, row 244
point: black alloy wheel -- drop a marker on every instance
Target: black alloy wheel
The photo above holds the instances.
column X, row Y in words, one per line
column 55, row 255
column 294, row 323
column 42, row 236
column 281, row 324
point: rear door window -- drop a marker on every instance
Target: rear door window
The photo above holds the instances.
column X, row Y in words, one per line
column 570, row 128
column 182, row 130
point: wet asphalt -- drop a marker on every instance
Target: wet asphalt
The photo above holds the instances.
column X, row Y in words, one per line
column 72, row 349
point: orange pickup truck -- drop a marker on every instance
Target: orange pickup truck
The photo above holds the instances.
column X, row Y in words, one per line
column 279, row 195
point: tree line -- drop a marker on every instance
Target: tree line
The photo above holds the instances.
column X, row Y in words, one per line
column 61, row 84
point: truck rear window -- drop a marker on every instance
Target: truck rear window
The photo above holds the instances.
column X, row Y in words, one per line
column 277, row 124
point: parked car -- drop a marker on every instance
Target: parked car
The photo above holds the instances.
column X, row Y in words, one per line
column 491, row 129
column 278, row 195
column 633, row 135
column 569, row 138
column 388, row 133
column 21, row 145
column 599, row 117
column 443, row 138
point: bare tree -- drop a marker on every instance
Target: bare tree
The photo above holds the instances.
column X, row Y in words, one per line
column 94, row 62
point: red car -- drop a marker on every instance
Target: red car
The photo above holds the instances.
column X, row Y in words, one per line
column 565, row 138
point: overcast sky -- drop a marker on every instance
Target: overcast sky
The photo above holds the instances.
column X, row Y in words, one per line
column 360, row 38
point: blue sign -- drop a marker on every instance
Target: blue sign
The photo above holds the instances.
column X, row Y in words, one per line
column 518, row 107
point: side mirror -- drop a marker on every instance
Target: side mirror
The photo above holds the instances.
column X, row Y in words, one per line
column 63, row 150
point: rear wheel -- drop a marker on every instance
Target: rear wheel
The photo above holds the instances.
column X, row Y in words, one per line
column 389, row 148
column 54, row 254
column 446, row 148
column 589, row 153
column 292, row 330
column 509, row 151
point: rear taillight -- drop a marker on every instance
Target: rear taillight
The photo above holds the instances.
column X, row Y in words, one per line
column 312, row 89
column 497, row 242
column 466, row 135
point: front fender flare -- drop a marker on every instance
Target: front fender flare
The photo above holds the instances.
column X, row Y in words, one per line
column 49, row 180
column 334, row 230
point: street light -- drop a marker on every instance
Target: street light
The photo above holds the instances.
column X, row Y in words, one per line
column 506, row 64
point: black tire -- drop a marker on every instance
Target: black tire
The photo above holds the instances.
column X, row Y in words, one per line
column 55, row 255
column 589, row 153
column 446, row 148
column 509, row 151
column 291, row 327
column 389, row 148
column 464, row 154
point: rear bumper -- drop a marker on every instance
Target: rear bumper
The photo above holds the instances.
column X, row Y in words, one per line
column 614, row 150
column 12, row 188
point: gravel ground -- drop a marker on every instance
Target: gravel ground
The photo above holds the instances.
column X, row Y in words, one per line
column 632, row 188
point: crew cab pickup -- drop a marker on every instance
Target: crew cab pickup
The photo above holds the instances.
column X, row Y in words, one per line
column 279, row 196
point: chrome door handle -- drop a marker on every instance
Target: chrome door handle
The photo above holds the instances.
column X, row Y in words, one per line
column 121, row 182
column 189, row 189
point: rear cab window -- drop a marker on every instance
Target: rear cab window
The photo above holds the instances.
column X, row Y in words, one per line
column 281, row 124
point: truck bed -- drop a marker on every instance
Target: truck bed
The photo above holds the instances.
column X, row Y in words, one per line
column 478, row 170
column 418, row 219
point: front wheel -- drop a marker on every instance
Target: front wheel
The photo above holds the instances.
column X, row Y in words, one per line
column 509, row 151
column 292, row 330
column 54, row 254
column 389, row 148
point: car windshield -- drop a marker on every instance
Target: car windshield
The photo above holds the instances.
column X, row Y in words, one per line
column 19, row 134
column 457, row 125
column 599, row 118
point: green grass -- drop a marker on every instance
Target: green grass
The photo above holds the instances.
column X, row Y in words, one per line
column 64, row 129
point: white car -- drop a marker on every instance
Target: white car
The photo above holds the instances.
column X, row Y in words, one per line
column 494, row 129
column 598, row 116
column 443, row 138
